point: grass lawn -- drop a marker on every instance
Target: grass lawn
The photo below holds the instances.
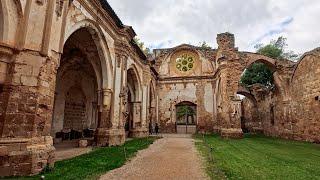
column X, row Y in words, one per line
column 97, row 162
column 260, row 157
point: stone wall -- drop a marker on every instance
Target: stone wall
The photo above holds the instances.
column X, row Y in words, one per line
column 197, row 92
column 305, row 105
column 292, row 112
column 250, row 121
column 34, row 43
column 177, row 85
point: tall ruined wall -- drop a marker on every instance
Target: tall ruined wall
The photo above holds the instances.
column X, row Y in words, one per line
column 33, row 37
column 292, row 111
column 305, row 104
column 198, row 92
column 185, row 75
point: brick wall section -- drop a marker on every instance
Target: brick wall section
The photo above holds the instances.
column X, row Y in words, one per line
column 26, row 146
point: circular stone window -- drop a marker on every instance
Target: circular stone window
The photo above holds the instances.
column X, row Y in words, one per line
column 185, row 62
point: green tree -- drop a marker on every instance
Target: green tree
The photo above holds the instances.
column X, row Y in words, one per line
column 259, row 72
column 204, row 45
column 183, row 114
column 276, row 49
column 185, row 110
column 145, row 50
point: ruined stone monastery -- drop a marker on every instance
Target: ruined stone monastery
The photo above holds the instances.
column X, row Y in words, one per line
column 70, row 68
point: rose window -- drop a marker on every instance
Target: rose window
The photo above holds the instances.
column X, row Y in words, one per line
column 185, row 63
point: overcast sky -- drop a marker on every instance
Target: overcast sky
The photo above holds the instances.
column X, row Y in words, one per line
column 167, row 23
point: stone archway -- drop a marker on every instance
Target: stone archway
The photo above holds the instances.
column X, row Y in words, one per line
column 102, row 48
column 133, row 121
column 250, row 110
column 10, row 16
column 249, row 115
column 252, row 58
column 78, row 87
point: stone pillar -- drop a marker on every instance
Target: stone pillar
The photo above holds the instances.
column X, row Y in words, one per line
column 144, row 106
column 230, row 72
column 106, row 134
column 138, row 129
column 26, row 146
column 109, row 132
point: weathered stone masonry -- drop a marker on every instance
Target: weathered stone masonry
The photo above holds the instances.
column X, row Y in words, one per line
column 73, row 65
column 50, row 52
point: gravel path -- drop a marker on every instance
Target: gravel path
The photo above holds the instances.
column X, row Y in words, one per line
column 172, row 157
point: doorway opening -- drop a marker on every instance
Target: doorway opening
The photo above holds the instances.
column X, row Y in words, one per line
column 186, row 118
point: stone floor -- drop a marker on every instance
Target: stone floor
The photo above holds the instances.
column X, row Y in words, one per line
column 69, row 149
column 172, row 157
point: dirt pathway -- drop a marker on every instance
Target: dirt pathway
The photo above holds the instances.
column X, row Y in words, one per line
column 172, row 157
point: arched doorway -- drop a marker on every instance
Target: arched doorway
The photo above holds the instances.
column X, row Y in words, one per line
column 78, row 83
column 186, row 118
column 256, row 82
column 133, row 119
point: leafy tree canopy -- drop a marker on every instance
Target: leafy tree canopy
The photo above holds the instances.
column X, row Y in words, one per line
column 204, row 45
column 145, row 50
column 259, row 72
column 184, row 110
column 276, row 49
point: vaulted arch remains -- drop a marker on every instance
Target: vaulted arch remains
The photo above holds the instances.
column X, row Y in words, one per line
column 133, row 119
column 79, row 84
column 10, row 18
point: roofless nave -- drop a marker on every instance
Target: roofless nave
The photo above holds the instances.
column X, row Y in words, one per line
column 70, row 69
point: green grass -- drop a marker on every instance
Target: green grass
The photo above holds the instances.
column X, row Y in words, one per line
column 95, row 163
column 260, row 157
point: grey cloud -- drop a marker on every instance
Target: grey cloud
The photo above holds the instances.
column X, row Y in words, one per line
column 171, row 22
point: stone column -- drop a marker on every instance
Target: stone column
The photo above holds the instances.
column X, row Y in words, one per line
column 110, row 132
column 26, row 146
column 138, row 129
column 106, row 134
column 228, row 61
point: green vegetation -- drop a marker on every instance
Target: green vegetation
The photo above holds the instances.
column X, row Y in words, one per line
column 276, row 49
column 259, row 157
column 259, row 72
column 185, row 115
column 97, row 162
column 145, row 50
column 204, row 46
column 183, row 111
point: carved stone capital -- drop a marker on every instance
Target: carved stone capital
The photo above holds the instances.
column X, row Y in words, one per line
column 107, row 96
